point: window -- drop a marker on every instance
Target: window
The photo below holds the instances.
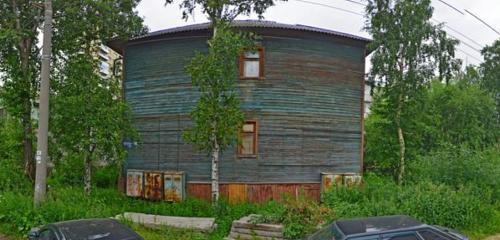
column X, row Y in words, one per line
column 248, row 139
column 104, row 68
column 47, row 235
column 370, row 237
column 401, row 236
column 252, row 64
column 430, row 235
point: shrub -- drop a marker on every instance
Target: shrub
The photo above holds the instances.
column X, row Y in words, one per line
column 107, row 176
column 461, row 166
column 444, row 115
column 300, row 216
column 68, row 171
column 11, row 163
column 17, row 215
column 426, row 201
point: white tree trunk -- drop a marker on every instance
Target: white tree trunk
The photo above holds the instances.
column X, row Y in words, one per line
column 401, row 139
column 87, row 178
column 215, row 153
column 215, row 173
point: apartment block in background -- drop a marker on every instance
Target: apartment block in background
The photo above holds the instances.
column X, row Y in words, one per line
column 109, row 61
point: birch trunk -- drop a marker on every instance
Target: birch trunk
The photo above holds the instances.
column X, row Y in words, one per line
column 215, row 173
column 87, row 178
column 24, row 48
column 215, row 152
column 401, row 139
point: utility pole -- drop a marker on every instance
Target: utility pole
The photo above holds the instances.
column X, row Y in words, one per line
column 43, row 124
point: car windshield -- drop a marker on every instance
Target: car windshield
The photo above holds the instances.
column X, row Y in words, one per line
column 96, row 230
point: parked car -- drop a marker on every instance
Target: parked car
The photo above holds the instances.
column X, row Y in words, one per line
column 391, row 228
column 87, row 229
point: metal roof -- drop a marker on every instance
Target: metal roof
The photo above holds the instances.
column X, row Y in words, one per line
column 252, row 24
column 376, row 224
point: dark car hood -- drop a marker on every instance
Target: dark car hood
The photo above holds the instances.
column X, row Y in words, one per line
column 96, row 229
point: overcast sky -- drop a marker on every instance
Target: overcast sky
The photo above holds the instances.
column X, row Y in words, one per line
column 157, row 17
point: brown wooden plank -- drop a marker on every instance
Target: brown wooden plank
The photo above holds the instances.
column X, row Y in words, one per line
column 237, row 193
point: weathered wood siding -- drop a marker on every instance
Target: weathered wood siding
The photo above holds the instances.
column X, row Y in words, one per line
column 255, row 193
column 308, row 110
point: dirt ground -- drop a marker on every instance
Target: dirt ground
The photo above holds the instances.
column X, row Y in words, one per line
column 496, row 237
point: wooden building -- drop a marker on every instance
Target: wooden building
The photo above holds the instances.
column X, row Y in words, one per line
column 302, row 94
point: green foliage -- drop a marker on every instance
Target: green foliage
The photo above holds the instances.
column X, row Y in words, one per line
column 217, row 116
column 104, row 20
column 461, row 166
column 11, row 165
column 432, row 203
column 85, row 109
column 167, row 233
column 224, row 11
column 491, row 71
column 300, row 216
column 17, row 215
column 89, row 120
column 68, row 171
column 407, row 50
column 457, row 114
column 106, row 176
column 303, row 216
column 19, row 59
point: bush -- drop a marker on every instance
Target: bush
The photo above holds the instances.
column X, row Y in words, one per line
column 443, row 115
column 461, row 166
column 67, row 172
column 300, row 216
column 431, row 203
column 17, row 215
column 70, row 170
column 11, row 162
column 107, row 176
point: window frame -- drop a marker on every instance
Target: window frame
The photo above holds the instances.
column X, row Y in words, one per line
column 432, row 231
column 391, row 235
column 243, row 59
column 255, row 140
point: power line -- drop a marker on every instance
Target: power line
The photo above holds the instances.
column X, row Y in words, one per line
column 481, row 20
column 451, row 6
column 458, row 32
column 469, row 12
column 356, row 13
column 460, row 40
column 351, row 1
column 330, row 6
column 468, row 54
column 466, row 44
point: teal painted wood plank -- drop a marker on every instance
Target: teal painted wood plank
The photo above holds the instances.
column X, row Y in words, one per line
column 308, row 110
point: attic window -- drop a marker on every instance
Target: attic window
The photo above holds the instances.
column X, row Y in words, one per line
column 252, row 64
column 248, row 139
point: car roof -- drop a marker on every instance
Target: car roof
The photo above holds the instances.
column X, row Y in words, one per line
column 376, row 224
column 102, row 229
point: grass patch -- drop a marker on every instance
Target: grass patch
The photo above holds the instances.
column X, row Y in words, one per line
column 17, row 215
column 167, row 233
column 463, row 209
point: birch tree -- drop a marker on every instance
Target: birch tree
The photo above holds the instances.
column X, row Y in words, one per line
column 89, row 119
column 409, row 50
column 490, row 69
column 19, row 63
column 217, row 116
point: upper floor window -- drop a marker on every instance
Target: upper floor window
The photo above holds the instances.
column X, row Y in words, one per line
column 252, row 64
column 248, row 139
column 104, row 68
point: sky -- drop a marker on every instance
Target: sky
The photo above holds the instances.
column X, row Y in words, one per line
column 465, row 27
